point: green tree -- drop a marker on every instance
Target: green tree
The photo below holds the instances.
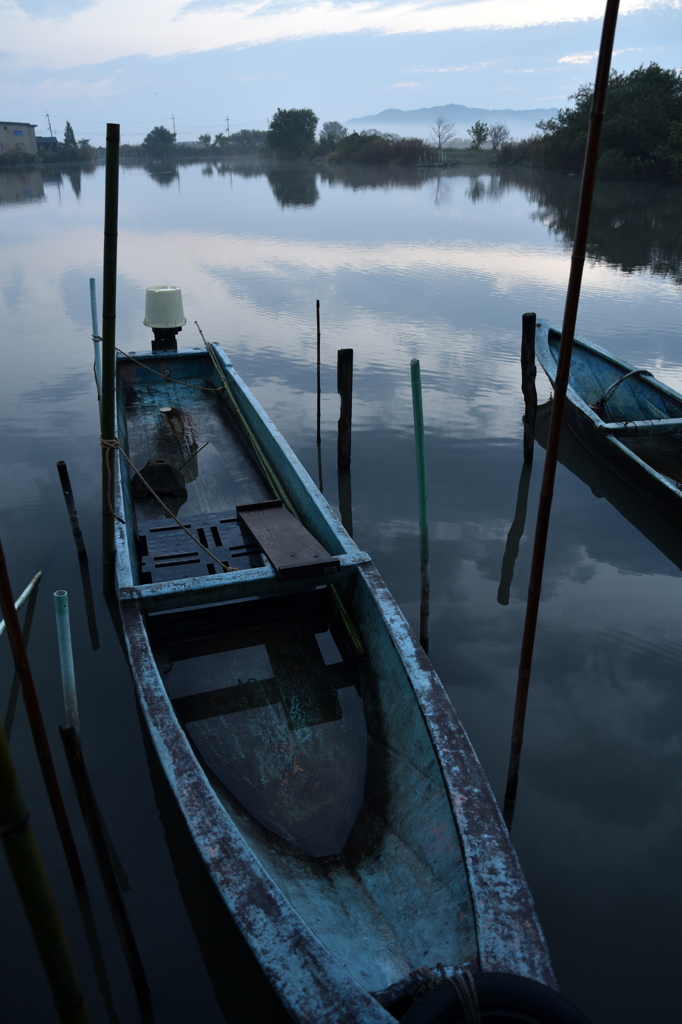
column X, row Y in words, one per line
column 159, row 142
column 478, row 133
column 69, row 137
column 639, row 137
column 206, row 140
column 332, row 131
column 292, row 132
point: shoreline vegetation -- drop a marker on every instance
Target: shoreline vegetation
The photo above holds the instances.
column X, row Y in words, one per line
column 641, row 138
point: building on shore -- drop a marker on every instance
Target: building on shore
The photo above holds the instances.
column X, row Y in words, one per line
column 48, row 143
column 17, row 137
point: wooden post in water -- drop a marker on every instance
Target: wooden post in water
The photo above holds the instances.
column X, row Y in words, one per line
column 424, row 560
column 28, row 870
column 96, row 337
column 319, row 369
column 530, row 394
column 108, row 403
column 35, row 719
column 93, row 823
column 344, row 386
column 71, row 508
column 560, row 387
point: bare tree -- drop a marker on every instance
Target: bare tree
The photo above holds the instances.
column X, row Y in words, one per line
column 442, row 132
column 498, row 133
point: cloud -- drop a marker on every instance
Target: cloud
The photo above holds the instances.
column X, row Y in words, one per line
column 406, row 85
column 101, row 31
column 578, row 58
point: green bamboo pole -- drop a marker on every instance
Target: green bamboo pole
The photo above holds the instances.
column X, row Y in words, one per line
column 28, row 870
column 108, row 403
column 422, row 494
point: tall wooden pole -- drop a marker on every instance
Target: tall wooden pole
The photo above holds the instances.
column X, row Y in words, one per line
column 560, row 386
column 28, row 870
column 424, row 561
column 108, row 403
column 319, row 385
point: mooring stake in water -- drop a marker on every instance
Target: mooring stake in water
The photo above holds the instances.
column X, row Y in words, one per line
column 344, row 386
column 319, row 371
column 28, row 870
column 35, row 718
column 528, row 372
column 108, row 391
column 560, row 387
column 422, row 496
column 61, row 611
column 71, row 508
column 96, row 337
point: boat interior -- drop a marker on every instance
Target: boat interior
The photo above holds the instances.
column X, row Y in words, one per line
column 320, row 756
column 618, row 395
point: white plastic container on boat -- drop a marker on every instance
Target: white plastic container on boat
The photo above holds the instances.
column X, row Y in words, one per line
column 163, row 307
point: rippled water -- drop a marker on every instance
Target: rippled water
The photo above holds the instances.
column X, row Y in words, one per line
column 404, row 265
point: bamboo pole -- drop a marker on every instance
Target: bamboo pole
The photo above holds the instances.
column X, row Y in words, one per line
column 30, row 877
column 108, row 403
column 530, row 394
column 93, row 823
column 61, row 611
column 35, row 718
column 319, row 369
column 71, row 508
column 96, row 337
column 422, row 495
column 560, row 387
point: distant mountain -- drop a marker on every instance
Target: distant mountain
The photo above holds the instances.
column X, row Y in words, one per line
column 521, row 123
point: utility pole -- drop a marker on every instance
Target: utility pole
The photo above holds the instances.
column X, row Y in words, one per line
column 49, row 125
column 227, row 122
column 173, row 120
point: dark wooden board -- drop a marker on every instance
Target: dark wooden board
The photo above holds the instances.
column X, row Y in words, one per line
column 293, row 551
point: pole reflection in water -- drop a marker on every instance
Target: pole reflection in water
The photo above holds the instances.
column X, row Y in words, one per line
column 515, row 534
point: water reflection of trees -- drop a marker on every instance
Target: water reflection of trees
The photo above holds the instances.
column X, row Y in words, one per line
column 634, row 225
column 163, row 174
column 293, row 186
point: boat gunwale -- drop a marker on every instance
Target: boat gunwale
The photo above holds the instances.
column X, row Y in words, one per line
column 585, row 413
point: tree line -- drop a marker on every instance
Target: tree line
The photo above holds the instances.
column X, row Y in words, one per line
column 292, row 134
column 641, row 136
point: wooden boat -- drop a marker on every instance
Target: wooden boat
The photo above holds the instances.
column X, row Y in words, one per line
column 626, row 417
column 321, row 769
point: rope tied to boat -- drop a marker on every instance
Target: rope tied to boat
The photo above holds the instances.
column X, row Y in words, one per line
column 109, row 445
column 465, row 988
column 601, row 405
column 114, row 444
column 166, row 376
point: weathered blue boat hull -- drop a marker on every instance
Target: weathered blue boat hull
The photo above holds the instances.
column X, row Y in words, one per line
column 428, row 875
column 642, row 432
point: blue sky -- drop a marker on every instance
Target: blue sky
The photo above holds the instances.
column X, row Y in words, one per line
column 141, row 61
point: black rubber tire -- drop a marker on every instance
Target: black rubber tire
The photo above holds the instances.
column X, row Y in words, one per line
column 502, row 999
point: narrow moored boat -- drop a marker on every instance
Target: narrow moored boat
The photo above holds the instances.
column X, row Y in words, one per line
column 627, row 417
column 321, row 769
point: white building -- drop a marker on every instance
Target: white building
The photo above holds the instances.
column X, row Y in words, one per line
column 17, row 136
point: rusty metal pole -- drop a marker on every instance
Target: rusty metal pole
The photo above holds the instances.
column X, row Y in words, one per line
column 560, row 387
column 530, row 394
column 108, row 391
column 35, row 719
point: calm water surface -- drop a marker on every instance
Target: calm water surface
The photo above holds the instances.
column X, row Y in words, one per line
column 404, row 266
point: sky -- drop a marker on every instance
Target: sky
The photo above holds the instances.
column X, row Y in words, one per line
column 147, row 62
